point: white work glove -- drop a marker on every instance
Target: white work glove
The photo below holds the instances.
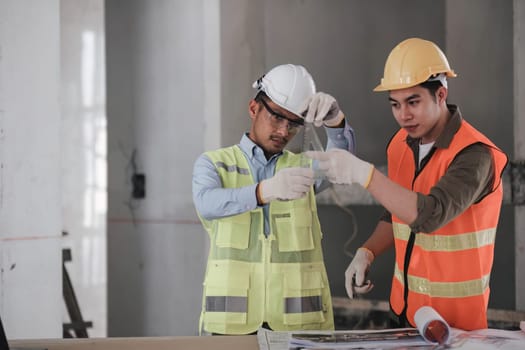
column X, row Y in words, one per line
column 342, row 167
column 288, row 183
column 322, row 109
column 356, row 273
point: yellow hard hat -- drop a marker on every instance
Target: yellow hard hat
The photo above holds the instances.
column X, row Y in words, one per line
column 412, row 62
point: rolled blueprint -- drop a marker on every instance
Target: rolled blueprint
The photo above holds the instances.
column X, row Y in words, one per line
column 432, row 327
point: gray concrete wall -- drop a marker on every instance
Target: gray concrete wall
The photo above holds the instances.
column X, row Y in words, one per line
column 84, row 151
column 30, row 212
column 242, row 61
column 479, row 44
column 155, row 111
column 519, row 144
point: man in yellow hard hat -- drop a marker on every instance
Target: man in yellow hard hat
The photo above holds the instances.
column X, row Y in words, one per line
column 443, row 195
column 257, row 202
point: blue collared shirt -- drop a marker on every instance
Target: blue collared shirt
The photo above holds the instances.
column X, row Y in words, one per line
column 212, row 201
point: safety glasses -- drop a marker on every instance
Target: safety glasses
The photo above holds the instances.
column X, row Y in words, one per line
column 278, row 120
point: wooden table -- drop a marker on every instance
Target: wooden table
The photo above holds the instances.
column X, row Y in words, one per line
column 244, row 342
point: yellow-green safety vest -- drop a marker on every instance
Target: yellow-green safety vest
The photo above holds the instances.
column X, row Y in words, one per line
column 250, row 278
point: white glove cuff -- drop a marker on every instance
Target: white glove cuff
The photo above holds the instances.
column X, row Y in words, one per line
column 262, row 195
column 367, row 175
column 370, row 256
column 332, row 123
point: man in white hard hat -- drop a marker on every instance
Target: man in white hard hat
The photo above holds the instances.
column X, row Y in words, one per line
column 443, row 195
column 257, row 202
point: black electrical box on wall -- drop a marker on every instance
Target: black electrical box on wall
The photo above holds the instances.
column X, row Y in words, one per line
column 138, row 182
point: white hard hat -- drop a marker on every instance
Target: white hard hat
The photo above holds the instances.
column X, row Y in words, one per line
column 288, row 86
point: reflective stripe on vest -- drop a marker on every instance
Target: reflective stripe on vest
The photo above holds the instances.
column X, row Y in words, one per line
column 447, row 243
column 444, row 290
column 303, row 304
column 226, row 304
column 240, row 304
column 232, row 168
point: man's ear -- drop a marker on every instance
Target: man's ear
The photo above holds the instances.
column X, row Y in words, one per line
column 442, row 94
column 253, row 108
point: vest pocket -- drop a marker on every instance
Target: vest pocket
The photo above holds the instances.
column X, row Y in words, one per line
column 294, row 230
column 226, row 293
column 303, row 298
column 234, row 232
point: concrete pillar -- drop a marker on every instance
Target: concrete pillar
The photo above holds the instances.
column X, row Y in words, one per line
column 84, row 151
column 519, row 145
column 156, row 108
column 479, row 48
column 30, row 213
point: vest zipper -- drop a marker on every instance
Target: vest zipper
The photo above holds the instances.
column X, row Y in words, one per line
column 408, row 253
column 266, row 260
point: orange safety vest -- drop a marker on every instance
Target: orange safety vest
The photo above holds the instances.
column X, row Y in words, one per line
column 448, row 269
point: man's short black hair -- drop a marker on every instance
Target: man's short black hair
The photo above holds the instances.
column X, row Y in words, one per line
column 261, row 95
column 432, row 87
